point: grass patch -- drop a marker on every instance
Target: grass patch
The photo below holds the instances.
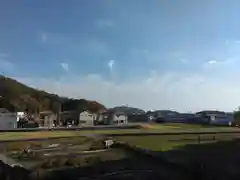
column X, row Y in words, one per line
column 167, row 142
column 155, row 143
column 149, row 128
column 42, row 134
column 16, row 146
column 83, row 160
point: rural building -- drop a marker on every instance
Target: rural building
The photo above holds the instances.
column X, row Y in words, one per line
column 102, row 118
column 111, row 117
column 47, row 118
column 176, row 117
column 217, row 117
column 69, row 118
column 118, row 118
column 138, row 118
column 10, row 120
column 87, row 118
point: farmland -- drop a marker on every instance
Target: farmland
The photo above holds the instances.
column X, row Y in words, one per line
column 146, row 128
column 167, row 142
column 155, row 150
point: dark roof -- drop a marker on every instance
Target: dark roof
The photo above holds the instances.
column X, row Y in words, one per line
column 126, row 110
column 208, row 112
column 166, row 113
column 114, row 112
column 186, row 115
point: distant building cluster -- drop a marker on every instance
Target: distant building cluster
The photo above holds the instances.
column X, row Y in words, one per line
column 106, row 117
column 202, row 117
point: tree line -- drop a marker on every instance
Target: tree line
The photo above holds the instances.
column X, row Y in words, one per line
column 16, row 96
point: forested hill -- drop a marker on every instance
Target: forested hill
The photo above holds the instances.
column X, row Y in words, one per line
column 16, row 96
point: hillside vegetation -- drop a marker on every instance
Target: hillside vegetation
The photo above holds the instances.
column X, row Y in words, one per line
column 16, row 96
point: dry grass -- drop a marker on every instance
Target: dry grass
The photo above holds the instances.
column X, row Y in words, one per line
column 146, row 128
column 43, row 134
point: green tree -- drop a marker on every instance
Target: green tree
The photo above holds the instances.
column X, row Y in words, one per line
column 236, row 115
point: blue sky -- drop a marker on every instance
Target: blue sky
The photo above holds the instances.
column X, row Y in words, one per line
column 156, row 54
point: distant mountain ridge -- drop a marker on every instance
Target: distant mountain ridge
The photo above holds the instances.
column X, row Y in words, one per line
column 16, row 96
column 127, row 110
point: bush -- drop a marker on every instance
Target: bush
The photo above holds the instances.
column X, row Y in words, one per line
column 48, row 164
column 71, row 162
column 58, row 163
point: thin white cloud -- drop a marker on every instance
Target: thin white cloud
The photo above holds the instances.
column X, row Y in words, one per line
column 65, row 66
column 111, row 64
column 168, row 91
column 212, row 62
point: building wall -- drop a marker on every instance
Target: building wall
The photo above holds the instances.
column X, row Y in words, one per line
column 120, row 119
column 20, row 115
column 87, row 118
column 49, row 120
column 69, row 117
column 215, row 120
column 8, row 120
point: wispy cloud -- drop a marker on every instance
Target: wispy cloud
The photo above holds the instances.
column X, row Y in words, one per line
column 105, row 23
column 211, row 62
column 111, row 64
column 64, row 66
column 44, row 37
column 149, row 92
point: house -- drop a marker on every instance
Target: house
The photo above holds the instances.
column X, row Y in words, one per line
column 117, row 117
column 138, row 118
column 150, row 116
column 163, row 116
column 69, row 118
column 120, row 118
column 47, row 119
column 8, row 120
column 87, row 118
column 216, row 117
column 102, row 118
column 111, row 117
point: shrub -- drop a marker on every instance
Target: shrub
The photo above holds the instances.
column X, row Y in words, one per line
column 48, row 164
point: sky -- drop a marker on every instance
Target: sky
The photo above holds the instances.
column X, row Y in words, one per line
column 156, row 54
